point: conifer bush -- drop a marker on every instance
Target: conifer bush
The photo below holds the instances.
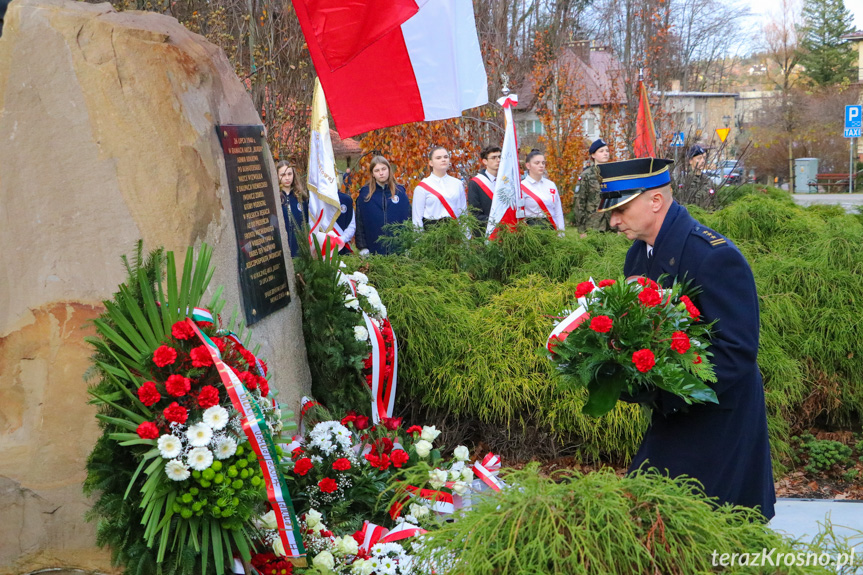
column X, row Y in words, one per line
column 472, row 315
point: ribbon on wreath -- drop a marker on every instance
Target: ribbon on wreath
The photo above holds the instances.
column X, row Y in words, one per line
column 372, row 534
column 383, row 384
column 254, row 426
column 487, row 471
column 565, row 327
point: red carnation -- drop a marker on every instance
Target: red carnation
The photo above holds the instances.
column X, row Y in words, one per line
column 182, row 330
column 164, row 355
column 392, row 423
column 220, row 343
column 690, row 307
column 303, row 466
column 399, row 457
column 414, row 429
column 383, row 462
column 601, row 324
column 204, row 324
column 650, row 297
column 327, row 485
column 644, row 360
column 208, row 397
column 341, row 464
column 249, row 380
column 697, row 360
column 350, row 418
column 148, row 394
column 176, row 413
column 264, row 386
column 297, row 452
column 362, row 422
column 680, row 342
column 583, row 289
column 606, row 283
column 368, row 362
column 647, row 282
column 248, row 356
column 201, row 356
column 177, row 385
column 148, row 430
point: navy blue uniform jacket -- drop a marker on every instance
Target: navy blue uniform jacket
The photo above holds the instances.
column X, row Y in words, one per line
column 345, row 219
column 300, row 212
column 724, row 446
column 380, row 210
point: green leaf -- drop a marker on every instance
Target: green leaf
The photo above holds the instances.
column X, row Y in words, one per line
column 604, row 389
column 218, row 556
column 205, row 545
column 118, row 422
column 111, row 335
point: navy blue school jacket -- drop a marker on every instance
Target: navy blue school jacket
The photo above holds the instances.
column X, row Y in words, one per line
column 345, row 220
column 291, row 206
column 380, row 210
column 725, row 446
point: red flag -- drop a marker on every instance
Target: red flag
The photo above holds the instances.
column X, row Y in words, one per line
column 342, row 29
column 427, row 68
column 645, row 134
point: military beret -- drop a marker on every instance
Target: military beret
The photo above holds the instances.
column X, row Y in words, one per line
column 622, row 182
column 597, row 144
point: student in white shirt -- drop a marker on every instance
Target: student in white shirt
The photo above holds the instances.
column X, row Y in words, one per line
column 541, row 197
column 439, row 196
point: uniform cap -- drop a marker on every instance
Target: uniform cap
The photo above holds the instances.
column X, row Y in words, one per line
column 622, row 182
column 597, row 144
column 695, row 150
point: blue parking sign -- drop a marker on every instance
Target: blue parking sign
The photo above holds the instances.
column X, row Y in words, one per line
column 853, row 121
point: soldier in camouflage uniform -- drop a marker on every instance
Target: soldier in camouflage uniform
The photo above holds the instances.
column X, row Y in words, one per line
column 698, row 188
column 584, row 215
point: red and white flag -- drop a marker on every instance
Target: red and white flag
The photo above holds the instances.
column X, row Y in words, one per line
column 507, row 204
column 427, row 67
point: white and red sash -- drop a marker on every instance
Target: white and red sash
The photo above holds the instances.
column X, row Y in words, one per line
column 484, row 184
column 438, row 195
column 540, row 203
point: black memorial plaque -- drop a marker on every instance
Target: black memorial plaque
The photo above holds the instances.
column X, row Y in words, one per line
column 263, row 276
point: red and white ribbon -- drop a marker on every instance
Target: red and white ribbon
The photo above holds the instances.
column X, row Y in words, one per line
column 376, row 534
column 563, row 329
column 487, row 471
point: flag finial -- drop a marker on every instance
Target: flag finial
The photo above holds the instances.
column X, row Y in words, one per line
column 505, row 79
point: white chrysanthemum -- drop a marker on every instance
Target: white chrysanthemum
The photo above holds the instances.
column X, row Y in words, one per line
column 360, row 277
column 361, row 333
column 175, row 470
column 216, row 417
column 199, row 435
column 461, row 453
column 226, row 448
column 170, row 446
column 200, row 458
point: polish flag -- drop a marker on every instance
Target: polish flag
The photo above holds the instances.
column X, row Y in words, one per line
column 507, row 204
column 428, row 67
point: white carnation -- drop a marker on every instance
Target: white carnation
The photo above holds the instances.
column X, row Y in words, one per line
column 352, row 303
column 169, row 446
column 360, row 277
column 361, row 333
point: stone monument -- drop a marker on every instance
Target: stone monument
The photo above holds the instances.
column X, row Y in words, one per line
column 107, row 135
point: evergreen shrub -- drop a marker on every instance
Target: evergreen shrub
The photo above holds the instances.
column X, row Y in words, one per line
column 471, row 315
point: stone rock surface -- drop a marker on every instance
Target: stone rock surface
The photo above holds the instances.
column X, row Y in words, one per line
column 106, row 136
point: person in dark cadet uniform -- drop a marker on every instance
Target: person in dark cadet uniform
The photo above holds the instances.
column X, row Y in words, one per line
column 480, row 189
column 725, row 446
column 380, row 202
column 698, row 188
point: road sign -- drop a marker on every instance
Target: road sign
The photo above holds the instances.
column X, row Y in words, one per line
column 853, row 121
column 722, row 133
column 677, row 140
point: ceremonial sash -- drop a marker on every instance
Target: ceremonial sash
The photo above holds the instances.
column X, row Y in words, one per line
column 438, row 195
column 252, row 419
column 540, row 203
column 484, row 184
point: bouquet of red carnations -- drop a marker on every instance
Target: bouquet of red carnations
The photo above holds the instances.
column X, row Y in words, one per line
column 631, row 338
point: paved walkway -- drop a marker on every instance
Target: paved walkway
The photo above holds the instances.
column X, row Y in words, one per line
column 799, row 518
column 848, row 201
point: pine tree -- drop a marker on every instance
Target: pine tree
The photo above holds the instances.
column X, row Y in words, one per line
column 827, row 58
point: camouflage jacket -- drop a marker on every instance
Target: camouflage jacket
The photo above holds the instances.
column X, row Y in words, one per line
column 584, row 215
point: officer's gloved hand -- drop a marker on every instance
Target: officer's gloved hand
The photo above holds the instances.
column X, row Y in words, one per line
column 364, row 253
column 643, row 396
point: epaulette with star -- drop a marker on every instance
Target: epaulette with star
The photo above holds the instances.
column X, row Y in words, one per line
column 709, row 236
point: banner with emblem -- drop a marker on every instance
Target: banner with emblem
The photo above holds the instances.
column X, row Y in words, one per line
column 507, row 205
